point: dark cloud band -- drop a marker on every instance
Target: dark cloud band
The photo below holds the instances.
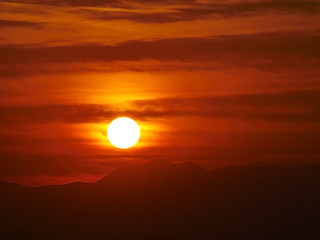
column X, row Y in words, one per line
column 302, row 45
column 301, row 106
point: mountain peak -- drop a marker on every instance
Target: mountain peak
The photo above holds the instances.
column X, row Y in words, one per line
column 155, row 169
column 191, row 166
column 159, row 163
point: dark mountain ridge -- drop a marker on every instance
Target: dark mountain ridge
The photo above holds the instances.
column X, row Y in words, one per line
column 161, row 200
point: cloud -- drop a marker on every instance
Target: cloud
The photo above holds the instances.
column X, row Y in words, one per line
column 289, row 106
column 242, row 7
column 56, row 113
column 197, row 11
column 193, row 11
column 295, row 106
column 7, row 24
column 150, row 17
column 67, row 2
column 144, row 20
column 197, row 7
column 277, row 46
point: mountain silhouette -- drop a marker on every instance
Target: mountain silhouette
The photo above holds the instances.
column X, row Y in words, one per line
column 161, row 200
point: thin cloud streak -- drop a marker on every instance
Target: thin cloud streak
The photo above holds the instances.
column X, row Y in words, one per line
column 301, row 106
column 272, row 45
column 8, row 24
column 148, row 21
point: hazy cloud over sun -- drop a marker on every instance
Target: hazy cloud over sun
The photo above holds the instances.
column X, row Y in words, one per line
column 301, row 106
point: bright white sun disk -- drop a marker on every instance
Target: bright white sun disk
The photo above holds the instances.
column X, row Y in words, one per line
column 123, row 132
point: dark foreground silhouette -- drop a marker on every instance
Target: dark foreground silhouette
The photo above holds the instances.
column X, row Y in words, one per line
column 160, row 200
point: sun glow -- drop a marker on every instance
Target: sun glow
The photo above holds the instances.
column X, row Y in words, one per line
column 123, row 132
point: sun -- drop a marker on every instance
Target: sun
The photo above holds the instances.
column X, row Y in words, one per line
column 123, row 132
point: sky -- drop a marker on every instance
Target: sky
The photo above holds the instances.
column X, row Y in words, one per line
column 220, row 83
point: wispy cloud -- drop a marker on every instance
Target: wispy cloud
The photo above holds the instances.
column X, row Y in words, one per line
column 302, row 106
column 8, row 24
column 302, row 44
column 107, row 22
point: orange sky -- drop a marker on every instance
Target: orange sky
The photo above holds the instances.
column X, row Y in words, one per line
column 217, row 82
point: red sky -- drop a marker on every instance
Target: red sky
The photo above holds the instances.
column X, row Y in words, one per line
column 217, row 82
